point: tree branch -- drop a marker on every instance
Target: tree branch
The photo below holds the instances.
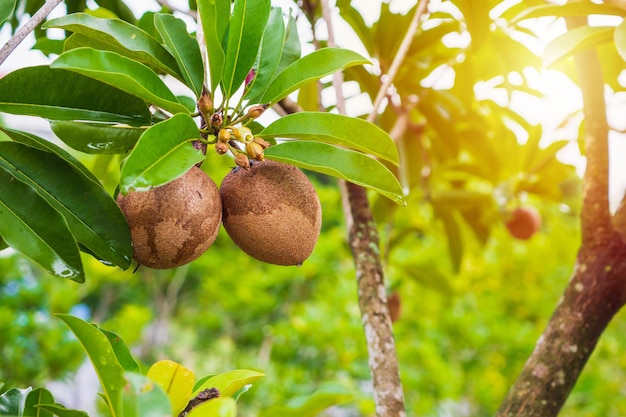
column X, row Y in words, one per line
column 23, row 32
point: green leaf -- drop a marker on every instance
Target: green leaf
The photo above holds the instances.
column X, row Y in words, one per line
column 29, row 225
column 184, row 48
column 336, row 129
column 309, row 406
column 96, row 138
column 120, row 72
column 217, row 407
column 118, row 7
column 59, row 410
column 92, row 215
column 35, row 398
column 244, row 37
column 576, row 40
column 6, row 9
column 620, row 39
column 175, row 380
column 122, row 353
column 351, row 166
column 12, row 402
column 100, row 353
column 453, row 233
column 231, row 382
column 292, row 47
column 143, row 398
column 270, row 52
column 311, row 67
column 121, row 37
column 568, row 9
column 162, row 154
column 215, row 17
column 64, row 95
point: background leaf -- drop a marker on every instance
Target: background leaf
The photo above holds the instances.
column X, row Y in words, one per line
column 100, row 353
column 342, row 163
column 6, row 9
column 92, row 215
column 215, row 17
column 64, row 95
column 311, row 67
column 97, row 138
column 576, row 40
column 163, row 153
column 29, row 225
column 336, row 129
column 175, row 380
column 620, row 39
column 121, row 37
column 122, row 73
column 309, row 406
column 244, row 37
column 184, row 48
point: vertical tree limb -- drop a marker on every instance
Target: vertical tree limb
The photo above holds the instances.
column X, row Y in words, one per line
column 23, row 31
column 597, row 289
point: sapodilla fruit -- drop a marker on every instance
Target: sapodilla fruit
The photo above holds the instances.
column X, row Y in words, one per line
column 272, row 212
column 523, row 222
column 173, row 224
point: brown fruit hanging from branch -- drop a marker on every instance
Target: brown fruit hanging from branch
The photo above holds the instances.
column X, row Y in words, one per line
column 523, row 222
column 272, row 212
column 173, row 224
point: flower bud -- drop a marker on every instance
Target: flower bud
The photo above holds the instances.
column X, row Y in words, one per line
column 216, row 119
column 255, row 151
column 205, row 104
column 250, row 77
column 255, row 111
column 221, row 148
column 223, row 135
column 264, row 144
column 241, row 159
column 243, row 134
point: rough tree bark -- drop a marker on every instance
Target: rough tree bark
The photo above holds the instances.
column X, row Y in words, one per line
column 597, row 289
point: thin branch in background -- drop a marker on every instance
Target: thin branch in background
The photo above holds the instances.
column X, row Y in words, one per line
column 25, row 30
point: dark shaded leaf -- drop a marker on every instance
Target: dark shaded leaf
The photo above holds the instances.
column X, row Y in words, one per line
column 59, row 410
column 97, row 138
column 35, row 398
column 11, row 402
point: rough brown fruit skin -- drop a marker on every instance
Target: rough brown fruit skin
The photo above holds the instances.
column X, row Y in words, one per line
column 523, row 223
column 173, row 224
column 272, row 212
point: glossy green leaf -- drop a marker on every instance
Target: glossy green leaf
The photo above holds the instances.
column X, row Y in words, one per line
column 175, row 380
column 349, row 165
column 620, row 39
column 100, row 353
column 568, row 9
column 215, row 17
column 244, row 37
column 270, row 53
column 184, row 48
column 6, row 9
column 120, row 72
column 121, row 37
column 59, row 410
column 163, row 153
column 29, row 225
column 311, row 67
column 292, row 47
column 231, row 382
column 37, row 142
column 65, row 95
column 143, row 398
column 12, row 401
column 97, row 138
column 119, row 8
column 35, row 398
column 122, row 353
column 576, row 40
column 218, row 407
column 92, row 215
column 337, row 129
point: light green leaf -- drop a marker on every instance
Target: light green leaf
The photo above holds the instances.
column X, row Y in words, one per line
column 100, row 353
column 97, row 138
column 65, row 95
column 310, row 406
column 215, row 17
column 311, row 67
column 163, row 153
column 568, row 9
column 121, row 37
column 122, row 353
column 6, row 9
column 59, row 410
column 120, row 72
column 218, row 407
column 337, row 129
column 29, row 225
column 620, row 39
column 576, row 40
column 92, row 215
column 184, row 48
column 143, row 398
column 231, row 382
column 349, row 165
column 244, row 37
column 35, row 398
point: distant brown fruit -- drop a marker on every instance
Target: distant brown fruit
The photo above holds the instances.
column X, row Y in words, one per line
column 272, row 212
column 395, row 306
column 173, row 224
column 523, row 222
